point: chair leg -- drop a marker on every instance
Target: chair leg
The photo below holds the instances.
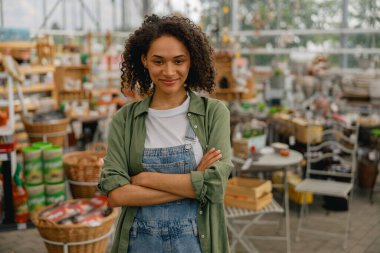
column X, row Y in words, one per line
column 239, row 237
column 348, row 223
column 302, row 213
column 371, row 196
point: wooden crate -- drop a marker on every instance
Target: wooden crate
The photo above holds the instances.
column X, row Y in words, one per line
column 250, row 204
column 305, row 130
column 248, row 188
column 240, row 148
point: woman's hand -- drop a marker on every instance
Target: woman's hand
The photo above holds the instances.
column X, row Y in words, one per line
column 209, row 159
column 139, row 179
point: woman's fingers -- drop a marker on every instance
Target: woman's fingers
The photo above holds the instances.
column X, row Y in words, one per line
column 211, row 155
column 209, row 159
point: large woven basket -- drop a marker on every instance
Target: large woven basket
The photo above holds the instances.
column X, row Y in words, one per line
column 83, row 168
column 55, row 235
column 53, row 131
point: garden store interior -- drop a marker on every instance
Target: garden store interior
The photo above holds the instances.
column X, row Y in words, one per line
column 301, row 80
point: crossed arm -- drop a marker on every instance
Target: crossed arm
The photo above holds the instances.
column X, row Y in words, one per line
column 150, row 188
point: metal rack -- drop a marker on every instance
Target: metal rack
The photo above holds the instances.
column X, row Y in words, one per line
column 7, row 150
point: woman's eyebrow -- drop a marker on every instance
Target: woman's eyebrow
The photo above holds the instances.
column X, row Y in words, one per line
column 178, row 56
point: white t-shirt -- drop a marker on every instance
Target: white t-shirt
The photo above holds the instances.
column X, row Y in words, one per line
column 167, row 128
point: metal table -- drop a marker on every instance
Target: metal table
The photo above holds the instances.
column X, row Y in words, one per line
column 274, row 162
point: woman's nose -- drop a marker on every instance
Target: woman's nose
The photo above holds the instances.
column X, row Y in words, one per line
column 169, row 69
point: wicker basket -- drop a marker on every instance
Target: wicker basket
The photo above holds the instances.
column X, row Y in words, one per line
column 53, row 131
column 83, row 169
column 56, row 235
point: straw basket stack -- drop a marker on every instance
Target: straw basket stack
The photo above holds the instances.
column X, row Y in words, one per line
column 53, row 131
column 83, row 168
column 74, row 238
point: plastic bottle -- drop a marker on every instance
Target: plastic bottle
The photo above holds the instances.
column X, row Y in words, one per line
column 20, row 198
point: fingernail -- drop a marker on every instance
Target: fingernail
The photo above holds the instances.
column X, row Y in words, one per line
column 219, row 151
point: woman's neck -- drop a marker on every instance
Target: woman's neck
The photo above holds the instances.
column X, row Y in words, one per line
column 167, row 101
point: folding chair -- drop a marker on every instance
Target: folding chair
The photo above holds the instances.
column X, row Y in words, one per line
column 338, row 147
column 239, row 220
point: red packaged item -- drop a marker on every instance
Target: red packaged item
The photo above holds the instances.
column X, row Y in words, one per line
column 66, row 210
column 99, row 201
column 93, row 218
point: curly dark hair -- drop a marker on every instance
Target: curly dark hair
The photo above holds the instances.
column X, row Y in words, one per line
column 202, row 72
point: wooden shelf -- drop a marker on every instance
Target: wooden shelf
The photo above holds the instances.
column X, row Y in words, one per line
column 112, row 91
column 80, row 67
column 33, row 88
column 17, row 45
column 29, row 107
column 41, row 69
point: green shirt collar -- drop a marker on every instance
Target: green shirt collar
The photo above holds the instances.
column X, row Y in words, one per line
column 196, row 105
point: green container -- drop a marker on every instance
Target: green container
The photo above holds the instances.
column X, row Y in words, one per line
column 54, row 198
column 53, row 171
column 52, row 152
column 36, row 202
column 41, row 144
column 33, row 171
column 52, row 188
column 31, row 153
column 35, row 189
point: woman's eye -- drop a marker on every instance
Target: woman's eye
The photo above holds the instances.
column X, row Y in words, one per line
column 178, row 61
column 157, row 62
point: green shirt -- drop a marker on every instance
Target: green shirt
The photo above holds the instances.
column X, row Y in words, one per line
column 210, row 120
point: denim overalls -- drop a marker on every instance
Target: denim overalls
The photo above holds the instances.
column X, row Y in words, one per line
column 169, row 227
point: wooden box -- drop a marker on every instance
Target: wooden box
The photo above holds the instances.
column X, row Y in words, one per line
column 248, row 193
column 293, row 180
column 250, row 204
column 240, row 148
column 248, row 187
column 305, row 130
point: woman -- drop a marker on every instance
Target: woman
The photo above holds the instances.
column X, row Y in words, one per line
column 168, row 156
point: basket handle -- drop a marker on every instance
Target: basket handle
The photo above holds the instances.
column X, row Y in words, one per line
column 98, row 147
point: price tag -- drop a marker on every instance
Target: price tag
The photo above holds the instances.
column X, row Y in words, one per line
column 372, row 155
column 4, row 157
column 21, row 226
column 292, row 140
column 247, row 164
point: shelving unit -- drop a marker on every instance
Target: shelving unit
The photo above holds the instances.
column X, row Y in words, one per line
column 75, row 73
column 7, row 150
column 37, row 88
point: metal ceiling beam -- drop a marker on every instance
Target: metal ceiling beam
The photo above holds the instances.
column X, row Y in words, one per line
column 90, row 15
column 270, row 33
column 46, row 18
column 81, row 33
column 331, row 51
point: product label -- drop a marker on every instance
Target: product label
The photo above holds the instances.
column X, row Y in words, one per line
column 54, row 175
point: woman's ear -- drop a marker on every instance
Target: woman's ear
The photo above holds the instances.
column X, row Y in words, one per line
column 143, row 60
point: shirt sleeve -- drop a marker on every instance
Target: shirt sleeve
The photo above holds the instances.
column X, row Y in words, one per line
column 115, row 169
column 210, row 185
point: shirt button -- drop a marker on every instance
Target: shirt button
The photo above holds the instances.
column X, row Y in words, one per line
column 200, row 212
column 195, row 126
column 203, row 236
column 189, row 114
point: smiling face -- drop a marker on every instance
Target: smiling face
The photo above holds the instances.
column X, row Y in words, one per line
column 168, row 64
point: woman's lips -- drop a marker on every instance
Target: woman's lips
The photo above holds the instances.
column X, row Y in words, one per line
column 169, row 82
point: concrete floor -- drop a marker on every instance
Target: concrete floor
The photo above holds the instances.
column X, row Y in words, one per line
column 364, row 237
